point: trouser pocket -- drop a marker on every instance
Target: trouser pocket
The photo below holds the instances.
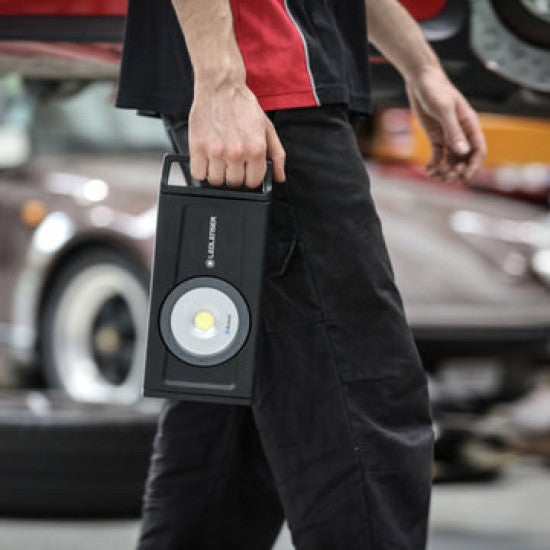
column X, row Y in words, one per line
column 289, row 298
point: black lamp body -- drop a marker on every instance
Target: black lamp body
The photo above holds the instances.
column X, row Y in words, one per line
column 205, row 289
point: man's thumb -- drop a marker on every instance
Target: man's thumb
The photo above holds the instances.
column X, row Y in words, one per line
column 276, row 153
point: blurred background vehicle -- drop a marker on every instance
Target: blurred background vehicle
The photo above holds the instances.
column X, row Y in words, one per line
column 78, row 183
column 80, row 213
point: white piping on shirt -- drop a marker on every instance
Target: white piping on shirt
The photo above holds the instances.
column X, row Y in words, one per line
column 312, row 81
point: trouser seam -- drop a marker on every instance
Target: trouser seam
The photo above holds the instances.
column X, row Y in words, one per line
column 334, row 362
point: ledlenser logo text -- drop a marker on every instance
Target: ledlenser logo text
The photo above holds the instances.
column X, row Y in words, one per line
column 210, row 261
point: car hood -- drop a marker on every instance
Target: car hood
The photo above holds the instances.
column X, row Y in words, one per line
column 460, row 257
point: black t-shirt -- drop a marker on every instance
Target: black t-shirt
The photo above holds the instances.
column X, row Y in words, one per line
column 297, row 53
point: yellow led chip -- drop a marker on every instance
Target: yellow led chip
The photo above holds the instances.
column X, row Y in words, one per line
column 203, row 320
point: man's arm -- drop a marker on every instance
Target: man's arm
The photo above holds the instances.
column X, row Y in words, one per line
column 458, row 145
column 229, row 133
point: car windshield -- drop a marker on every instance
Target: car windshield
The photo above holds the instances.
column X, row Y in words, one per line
column 76, row 118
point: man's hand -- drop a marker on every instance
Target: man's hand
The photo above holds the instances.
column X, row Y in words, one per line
column 458, row 145
column 452, row 126
column 229, row 134
column 230, row 137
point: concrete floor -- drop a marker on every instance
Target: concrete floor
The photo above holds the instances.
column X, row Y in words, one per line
column 511, row 514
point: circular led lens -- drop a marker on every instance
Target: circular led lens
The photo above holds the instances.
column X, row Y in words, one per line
column 218, row 321
column 204, row 321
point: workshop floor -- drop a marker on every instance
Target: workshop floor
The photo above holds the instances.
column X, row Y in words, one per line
column 511, row 514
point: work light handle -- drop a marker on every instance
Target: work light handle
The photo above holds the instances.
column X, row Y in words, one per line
column 184, row 177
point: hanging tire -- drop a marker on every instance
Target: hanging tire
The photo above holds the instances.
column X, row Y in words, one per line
column 93, row 327
column 512, row 40
column 526, row 20
column 65, row 459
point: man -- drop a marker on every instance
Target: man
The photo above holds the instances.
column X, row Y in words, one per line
column 339, row 441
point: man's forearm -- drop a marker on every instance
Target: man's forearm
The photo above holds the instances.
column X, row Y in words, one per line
column 230, row 136
column 208, row 30
column 397, row 35
column 452, row 126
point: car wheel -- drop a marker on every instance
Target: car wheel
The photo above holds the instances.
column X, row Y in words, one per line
column 65, row 459
column 93, row 327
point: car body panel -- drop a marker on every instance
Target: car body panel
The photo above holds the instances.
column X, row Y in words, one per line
column 60, row 60
column 424, row 9
column 63, row 8
column 461, row 259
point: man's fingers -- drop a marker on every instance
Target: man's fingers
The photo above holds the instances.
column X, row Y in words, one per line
column 235, row 174
column 255, row 172
column 198, row 165
column 438, row 154
column 255, row 167
column 235, row 160
column 454, row 135
column 474, row 164
column 472, row 128
column 460, row 169
column 445, row 167
column 276, row 153
column 216, row 171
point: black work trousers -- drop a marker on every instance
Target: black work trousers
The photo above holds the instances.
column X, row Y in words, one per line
column 339, row 441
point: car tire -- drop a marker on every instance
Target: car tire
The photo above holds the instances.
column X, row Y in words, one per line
column 65, row 459
column 524, row 23
column 93, row 327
